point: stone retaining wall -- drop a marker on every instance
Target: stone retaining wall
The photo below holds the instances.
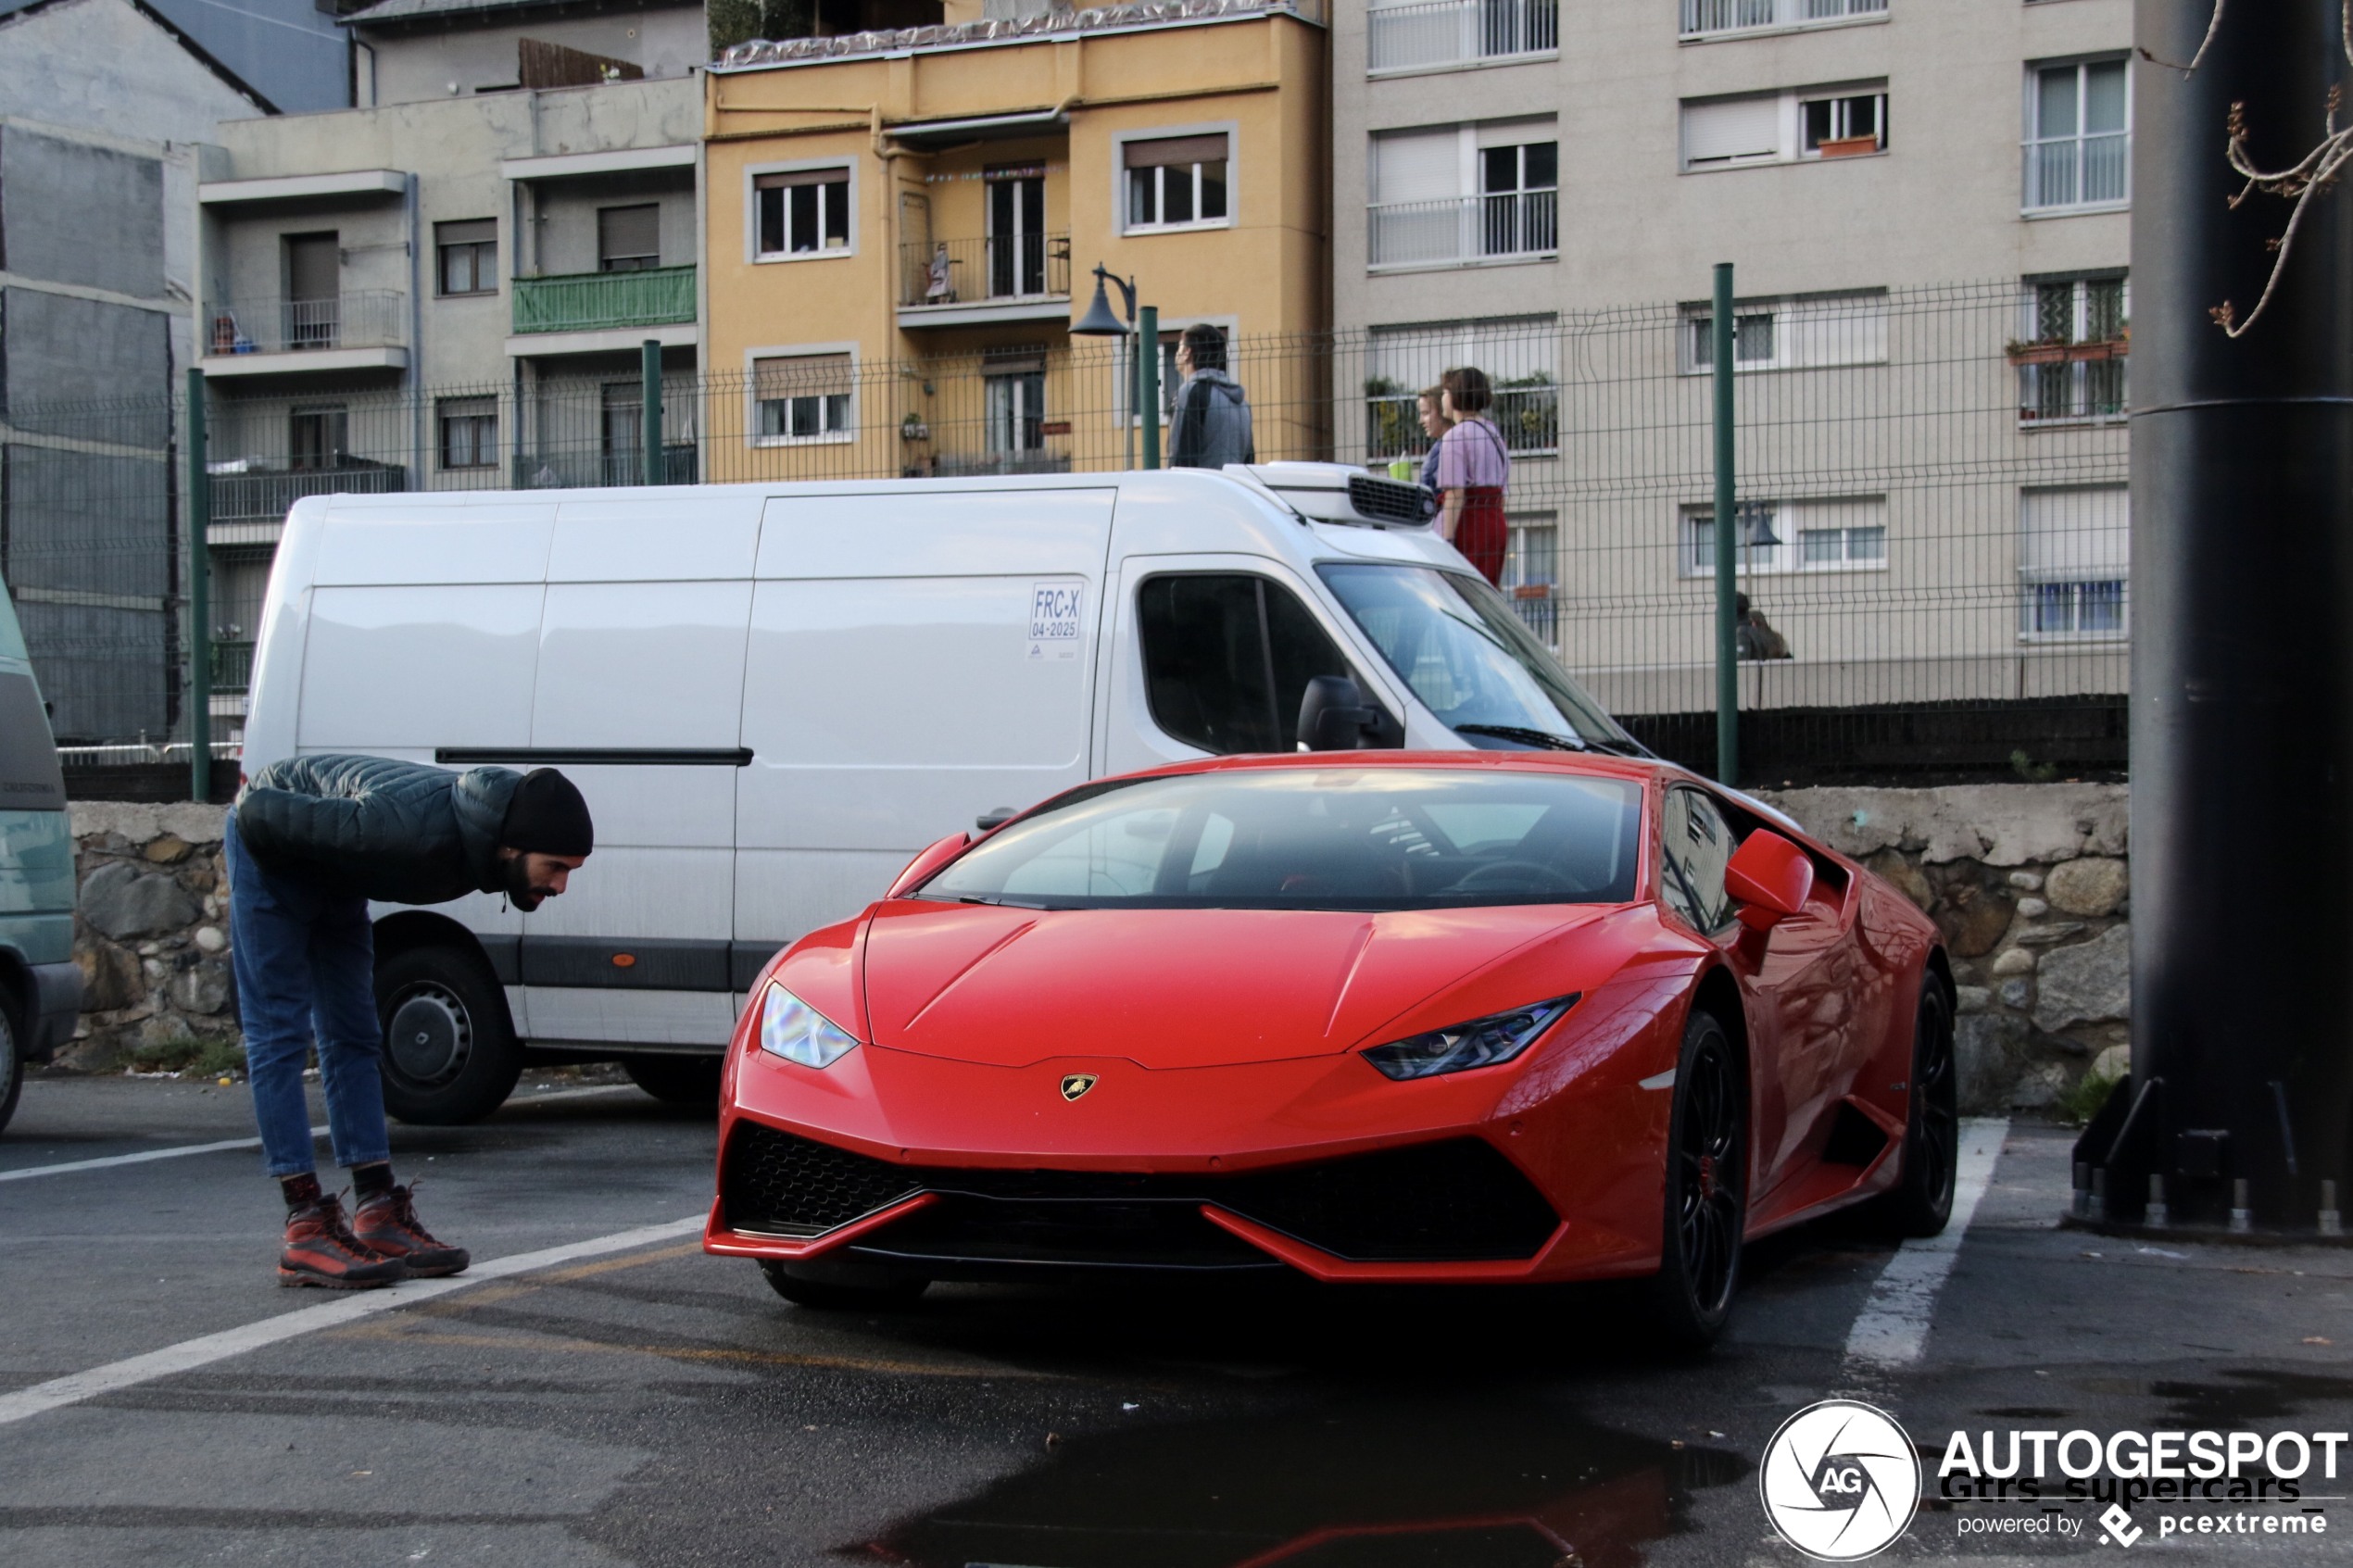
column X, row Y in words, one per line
column 2029, row 884
column 151, row 933
column 2032, row 886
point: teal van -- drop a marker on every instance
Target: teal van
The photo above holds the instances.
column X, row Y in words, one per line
column 39, row 984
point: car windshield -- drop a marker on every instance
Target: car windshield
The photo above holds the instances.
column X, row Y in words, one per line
column 1314, row 838
column 1455, row 640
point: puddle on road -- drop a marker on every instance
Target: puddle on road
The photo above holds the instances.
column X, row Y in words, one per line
column 1455, row 1484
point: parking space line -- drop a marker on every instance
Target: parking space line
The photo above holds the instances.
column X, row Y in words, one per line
column 1892, row 1329
column 189, row 1354
column 180, row 1152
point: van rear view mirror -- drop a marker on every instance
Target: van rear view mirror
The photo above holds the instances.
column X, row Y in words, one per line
column 1332, row 715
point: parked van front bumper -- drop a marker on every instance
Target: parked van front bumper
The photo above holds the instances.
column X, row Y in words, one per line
column 57, row 1003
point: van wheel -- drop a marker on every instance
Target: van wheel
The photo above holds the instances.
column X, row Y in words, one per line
column 11, row 1057
column 842, row 1287
column 678, row 1080
column 449, row 1054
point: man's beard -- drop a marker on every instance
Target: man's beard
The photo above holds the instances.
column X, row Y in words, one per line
column 520, row 892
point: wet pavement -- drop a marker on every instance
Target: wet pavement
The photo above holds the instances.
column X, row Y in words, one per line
column 651, row 1405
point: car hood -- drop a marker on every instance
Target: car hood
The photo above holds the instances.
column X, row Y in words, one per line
column 1182, row 988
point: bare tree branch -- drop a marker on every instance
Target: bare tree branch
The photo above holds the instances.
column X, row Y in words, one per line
column 2313, row 174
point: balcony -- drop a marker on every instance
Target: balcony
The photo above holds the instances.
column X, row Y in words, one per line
column 681, row 462
column 1444, row 34
column 975, row 282
column 1708, row 18
column 250, row 501
column 1520, row 226
column 2092, row 170
column 2062, row 382
column 364, row 330
column 232, row 667
column 597, row 312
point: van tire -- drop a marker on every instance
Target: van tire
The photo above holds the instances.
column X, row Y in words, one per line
column 449, row 1055
column 678, row 1080
column 12, row 1042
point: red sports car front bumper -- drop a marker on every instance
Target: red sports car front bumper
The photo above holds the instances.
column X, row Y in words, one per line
column 1549, row 1168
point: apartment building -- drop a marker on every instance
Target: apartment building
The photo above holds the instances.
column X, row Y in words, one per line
column 1927, row 206
column 897, row 220
column 102, row 104
column 449, row 287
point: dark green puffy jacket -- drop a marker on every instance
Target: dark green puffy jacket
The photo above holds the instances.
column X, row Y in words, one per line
column 399, row 832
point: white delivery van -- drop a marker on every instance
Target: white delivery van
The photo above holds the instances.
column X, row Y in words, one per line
column 774, row 694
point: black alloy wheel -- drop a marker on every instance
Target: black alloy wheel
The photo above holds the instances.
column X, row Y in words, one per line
column 449, row 1055
column 842, row 1287
column 1706, row 1190
column 1921, row 1201
column 12, row 1041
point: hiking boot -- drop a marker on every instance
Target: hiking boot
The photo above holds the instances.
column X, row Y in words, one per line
column 388, row 1224
column 322, row 1251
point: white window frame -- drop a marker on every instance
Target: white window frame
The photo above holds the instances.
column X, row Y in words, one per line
column 753, row 254
column 1790, row 116
column 1786, row 16
column 1230, row 129
column 2030, row 581
column 1466, row 21
column 1786, row 313
column 1786, row 557
column 1474, row 140
column 2032, row 136
column 752, row 436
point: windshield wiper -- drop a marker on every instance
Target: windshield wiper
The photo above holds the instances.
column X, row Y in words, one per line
column 1526, row 736
column 1001, row 902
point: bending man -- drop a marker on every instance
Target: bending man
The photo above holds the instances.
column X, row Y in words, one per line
column 311, row 840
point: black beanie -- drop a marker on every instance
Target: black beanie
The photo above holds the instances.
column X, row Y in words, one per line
column 548, row 817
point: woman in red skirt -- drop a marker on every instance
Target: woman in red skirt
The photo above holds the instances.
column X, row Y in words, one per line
column 1473, row 469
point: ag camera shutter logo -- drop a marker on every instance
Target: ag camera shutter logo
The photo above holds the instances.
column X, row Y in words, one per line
column 1840, row 1481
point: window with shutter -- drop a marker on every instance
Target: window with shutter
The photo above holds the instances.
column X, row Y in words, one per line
column 1178, row 181
column 801, row 212
column 1722, row 131
column 2074, row 560
column 804, row 397
column 628, row 238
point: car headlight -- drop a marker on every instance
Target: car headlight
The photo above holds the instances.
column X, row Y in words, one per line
column 1482, row 1042
column 792, row 1029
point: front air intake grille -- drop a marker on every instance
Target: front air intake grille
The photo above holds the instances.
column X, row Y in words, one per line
column 1433, row 1202
column 785, row 1185
column 1389, row 500
column 1453, row 1202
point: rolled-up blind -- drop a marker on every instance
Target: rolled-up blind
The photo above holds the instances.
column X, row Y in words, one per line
column 2077, row 535
column 1167, row 150
column 1417, row 165
column 473, row 231
column 799, row 177
column 1718, row 130
column 804, row 375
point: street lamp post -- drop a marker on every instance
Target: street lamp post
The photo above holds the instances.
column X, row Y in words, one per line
column 1143, row 376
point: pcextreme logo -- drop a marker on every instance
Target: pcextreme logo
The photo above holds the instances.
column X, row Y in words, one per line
column 1840, row 1481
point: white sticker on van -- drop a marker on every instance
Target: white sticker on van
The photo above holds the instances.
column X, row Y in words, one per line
column 1054, row 629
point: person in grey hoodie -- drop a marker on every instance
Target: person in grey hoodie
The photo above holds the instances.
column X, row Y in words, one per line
column 1211, row 425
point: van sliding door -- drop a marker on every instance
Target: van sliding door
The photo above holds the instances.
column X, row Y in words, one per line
column 916, row 660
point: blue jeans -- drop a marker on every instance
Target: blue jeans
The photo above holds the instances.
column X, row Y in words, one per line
column 305, row 965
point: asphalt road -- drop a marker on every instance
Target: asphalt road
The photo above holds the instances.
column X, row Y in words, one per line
column 638, row 1402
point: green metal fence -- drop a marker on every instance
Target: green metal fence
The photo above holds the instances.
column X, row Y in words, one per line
column 1935, row 539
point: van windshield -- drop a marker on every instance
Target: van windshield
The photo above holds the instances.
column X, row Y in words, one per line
column 1314, row 838
column 1455, row 640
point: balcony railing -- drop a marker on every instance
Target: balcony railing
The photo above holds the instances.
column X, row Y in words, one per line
column 1006, row 267
column 1435, row 34
column 2092, row 170
column 1524, row 224
column 1702, row 17
column 231, row 666
column 587, row 302
column 2070, row 381
column 366, row 318
column 1526, row 408
column 681, row 464
column 266, row 494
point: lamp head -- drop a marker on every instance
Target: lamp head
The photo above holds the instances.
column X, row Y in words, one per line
column 1099, row 321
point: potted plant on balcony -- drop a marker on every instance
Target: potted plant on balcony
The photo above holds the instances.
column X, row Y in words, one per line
column 913, row 428
column 2037, row 351
column 1849, row 146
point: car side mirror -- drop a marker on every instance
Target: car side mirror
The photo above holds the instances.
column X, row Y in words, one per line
column 993, row 819
column 1770, row 877
column 930, row 860
column 1333, row 716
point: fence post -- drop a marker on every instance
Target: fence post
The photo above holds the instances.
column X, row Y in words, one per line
column 649, row 418
column 200, row 597
column 1148, row 381
column 1727, row 691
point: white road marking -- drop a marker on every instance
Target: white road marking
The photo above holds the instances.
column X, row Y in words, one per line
column 189, row 1354
column 67, row 1167
column 1892, row 1330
